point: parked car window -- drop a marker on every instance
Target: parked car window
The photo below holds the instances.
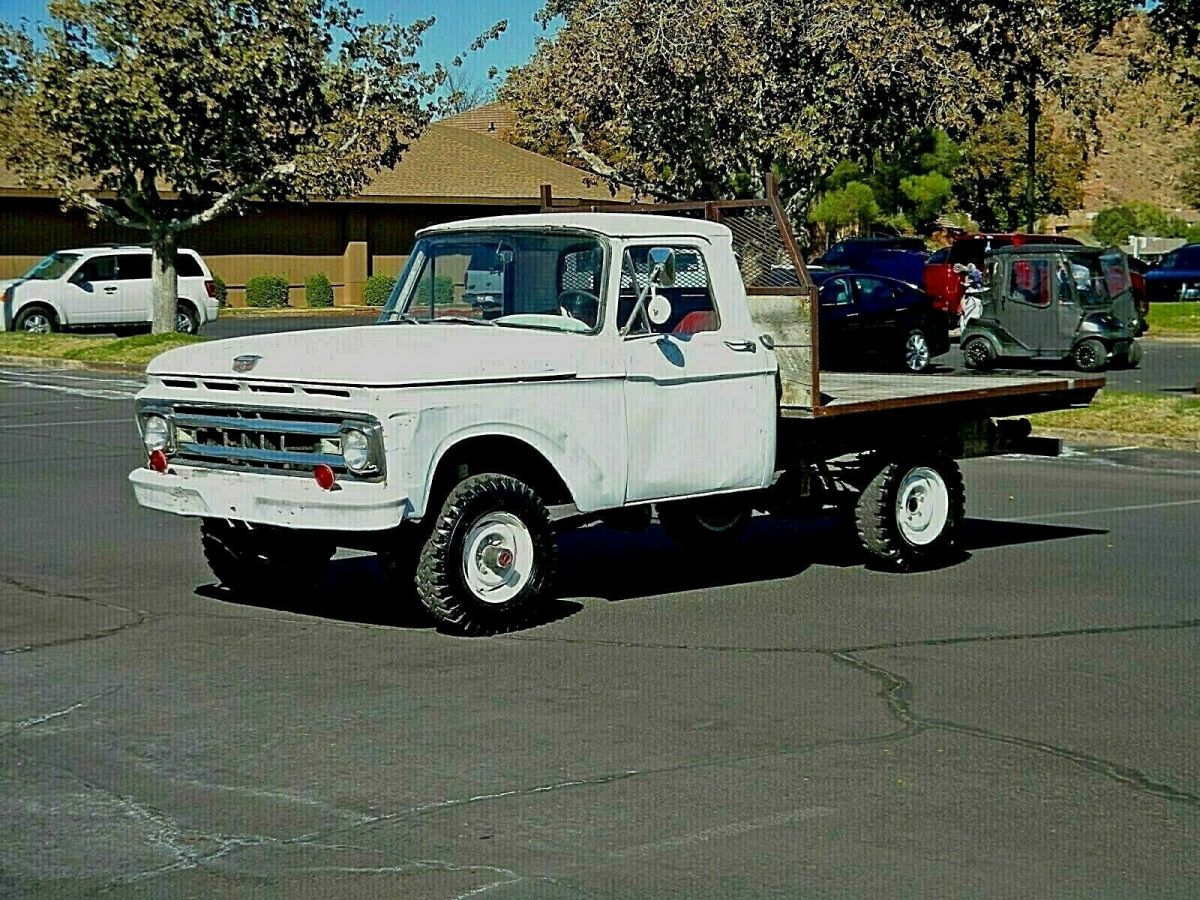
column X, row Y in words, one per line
column 187, row 266
column 98, row 268
column 836, row 292
column 52, row 267
column 134, row 266
column 874, row 293
column 969, row 251
column 1188, row 258
column 692, row 307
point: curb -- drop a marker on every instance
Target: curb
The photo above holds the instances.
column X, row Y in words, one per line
column 46, row 362
column 1120, row 439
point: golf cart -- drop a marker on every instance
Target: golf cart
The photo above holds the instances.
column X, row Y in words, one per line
column 1056, row 302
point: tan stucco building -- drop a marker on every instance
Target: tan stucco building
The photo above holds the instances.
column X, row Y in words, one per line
column 459, row 168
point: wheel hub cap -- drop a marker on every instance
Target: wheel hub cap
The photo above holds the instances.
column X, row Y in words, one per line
column 37, row 324
column 498, row 557
column 917, row 352
column 922, row 506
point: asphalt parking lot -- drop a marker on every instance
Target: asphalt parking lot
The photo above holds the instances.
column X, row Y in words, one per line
column 778, row 721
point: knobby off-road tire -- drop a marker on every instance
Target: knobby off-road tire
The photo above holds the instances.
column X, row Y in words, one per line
column 909, row 515
column 263, row 559
column 706, row 524
column 979, row 354
column 490, row 557
column 1090, row 355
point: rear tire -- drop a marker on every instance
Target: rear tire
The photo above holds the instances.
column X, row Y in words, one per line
column 909, row 514
column 490, row 558
column 979, row 354
column 705, row 524
column 186, row 319
column 1089, row 355
column 263, row 559
column 36, row 319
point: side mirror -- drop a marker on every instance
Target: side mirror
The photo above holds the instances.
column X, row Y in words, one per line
column 659, row 309
column 662, row 259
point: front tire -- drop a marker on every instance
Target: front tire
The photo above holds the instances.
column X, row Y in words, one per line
column 979, row 354
column 909, row 514
column 706, row 524
column 36, row 319
column 490, row 558
column 1090, row 355
column 263, row 559
column 918, row 354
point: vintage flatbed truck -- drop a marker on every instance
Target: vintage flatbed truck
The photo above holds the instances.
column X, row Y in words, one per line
column 618, row 362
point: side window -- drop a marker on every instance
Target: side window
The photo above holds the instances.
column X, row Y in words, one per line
column 836, row 292
column 579, row 277
column 873, row 293
column 1188, row 258
column 693, row 309
column 134, row 266
column 186, row 266
column 1031, row 282
column 98, row 268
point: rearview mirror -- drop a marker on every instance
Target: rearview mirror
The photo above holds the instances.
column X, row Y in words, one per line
column 659, row 309
column 663, row 273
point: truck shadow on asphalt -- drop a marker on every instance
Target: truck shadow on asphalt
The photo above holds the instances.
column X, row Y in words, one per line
column 603, row 563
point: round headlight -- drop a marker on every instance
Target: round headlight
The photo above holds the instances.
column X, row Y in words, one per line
column 356, row 450
column 156, row 433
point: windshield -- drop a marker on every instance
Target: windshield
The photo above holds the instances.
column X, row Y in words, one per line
column 520, row 279
column 1099, row 279
column 52, row 267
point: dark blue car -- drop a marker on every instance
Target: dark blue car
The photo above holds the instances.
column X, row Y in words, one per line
column 1176, row 277
column 892, row 257
column 867, row 318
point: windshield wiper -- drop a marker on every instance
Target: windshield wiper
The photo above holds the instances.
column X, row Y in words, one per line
column 466, row 321
column 402, row 319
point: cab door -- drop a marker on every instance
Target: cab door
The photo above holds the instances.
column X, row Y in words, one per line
column 1028, row 297
column 92, row 295
column 699, row 389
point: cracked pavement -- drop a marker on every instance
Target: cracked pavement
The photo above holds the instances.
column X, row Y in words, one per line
column 781, row 721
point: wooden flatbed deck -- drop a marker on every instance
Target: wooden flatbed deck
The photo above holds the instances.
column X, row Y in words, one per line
column 848, row 394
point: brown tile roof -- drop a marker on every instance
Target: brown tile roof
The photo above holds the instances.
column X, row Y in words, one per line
column 448, row 164
column 493, row 119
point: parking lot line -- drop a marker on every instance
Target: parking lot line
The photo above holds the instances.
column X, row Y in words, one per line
column 1095, row 512
column 128, row 419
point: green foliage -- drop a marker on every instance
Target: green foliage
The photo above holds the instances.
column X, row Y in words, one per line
column 267, row 291
column 1189, row 187
column 927, row 195
column 377, row 289
column 991, row 181
column 853, row 204
column 218, row 101
column 443, row 290
column 318, row 292
column 1115, row 224
column 222, row 291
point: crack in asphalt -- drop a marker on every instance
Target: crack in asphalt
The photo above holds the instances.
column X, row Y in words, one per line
column 897, row 693
column 34, row 721
column 142, row 617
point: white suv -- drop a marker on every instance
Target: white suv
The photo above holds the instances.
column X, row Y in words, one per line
column 105, row 288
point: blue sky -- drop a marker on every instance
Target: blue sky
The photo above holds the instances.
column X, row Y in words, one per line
column 458, row 23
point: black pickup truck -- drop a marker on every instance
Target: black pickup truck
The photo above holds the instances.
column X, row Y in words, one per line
column 870, row 318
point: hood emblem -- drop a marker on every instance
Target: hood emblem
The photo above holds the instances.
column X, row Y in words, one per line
column 245, row 363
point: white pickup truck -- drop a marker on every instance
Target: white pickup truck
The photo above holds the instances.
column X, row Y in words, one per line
column 633, row 362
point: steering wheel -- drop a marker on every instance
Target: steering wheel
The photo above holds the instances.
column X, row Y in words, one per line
column 581, row 305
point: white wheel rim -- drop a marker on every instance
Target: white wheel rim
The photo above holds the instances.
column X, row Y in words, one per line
column 37, row 323
column 497, row 557
column 183, row 323
column 922, row 506
column 916, row 352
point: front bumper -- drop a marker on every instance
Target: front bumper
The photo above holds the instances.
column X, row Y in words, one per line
column 289, row 502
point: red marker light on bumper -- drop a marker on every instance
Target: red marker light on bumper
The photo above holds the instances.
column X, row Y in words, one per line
column 158, row 461
column 325, row 477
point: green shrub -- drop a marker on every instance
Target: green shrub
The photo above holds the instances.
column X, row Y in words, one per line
column 377, row 289
column 222, row 291
column 318, row 291
column 269, row 291
column 443, row 290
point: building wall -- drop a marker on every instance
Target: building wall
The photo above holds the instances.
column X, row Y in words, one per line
column 345, row 241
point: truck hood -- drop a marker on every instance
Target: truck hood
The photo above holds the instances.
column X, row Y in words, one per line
column 383, row 355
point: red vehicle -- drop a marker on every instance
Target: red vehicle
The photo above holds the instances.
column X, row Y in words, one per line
column 946, row 285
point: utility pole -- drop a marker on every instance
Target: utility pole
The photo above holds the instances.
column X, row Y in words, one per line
column 1031, row 156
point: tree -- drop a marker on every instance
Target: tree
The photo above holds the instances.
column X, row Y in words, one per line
column 991, row 181
column 1114, row 225
column 851, row 205
column 466, row 92
column 161, row 116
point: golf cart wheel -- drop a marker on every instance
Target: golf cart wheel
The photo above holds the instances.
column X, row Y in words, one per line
column 918, row 355
column 249, row 560
column 978, row 353
column 704, row 524
column 910, row 512
column 1090, row 355
column 1130, row 359
column 490, row 557
column 36, row 319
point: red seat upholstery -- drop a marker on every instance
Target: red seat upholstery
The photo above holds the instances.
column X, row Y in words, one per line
column 695, row 322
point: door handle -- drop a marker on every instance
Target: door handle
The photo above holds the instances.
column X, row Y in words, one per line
column 110, row 290
column 742, row 346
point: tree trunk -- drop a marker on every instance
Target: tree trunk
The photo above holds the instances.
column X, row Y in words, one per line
column 166, row 283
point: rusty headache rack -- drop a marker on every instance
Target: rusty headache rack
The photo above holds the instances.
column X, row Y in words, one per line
column 782, row 297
